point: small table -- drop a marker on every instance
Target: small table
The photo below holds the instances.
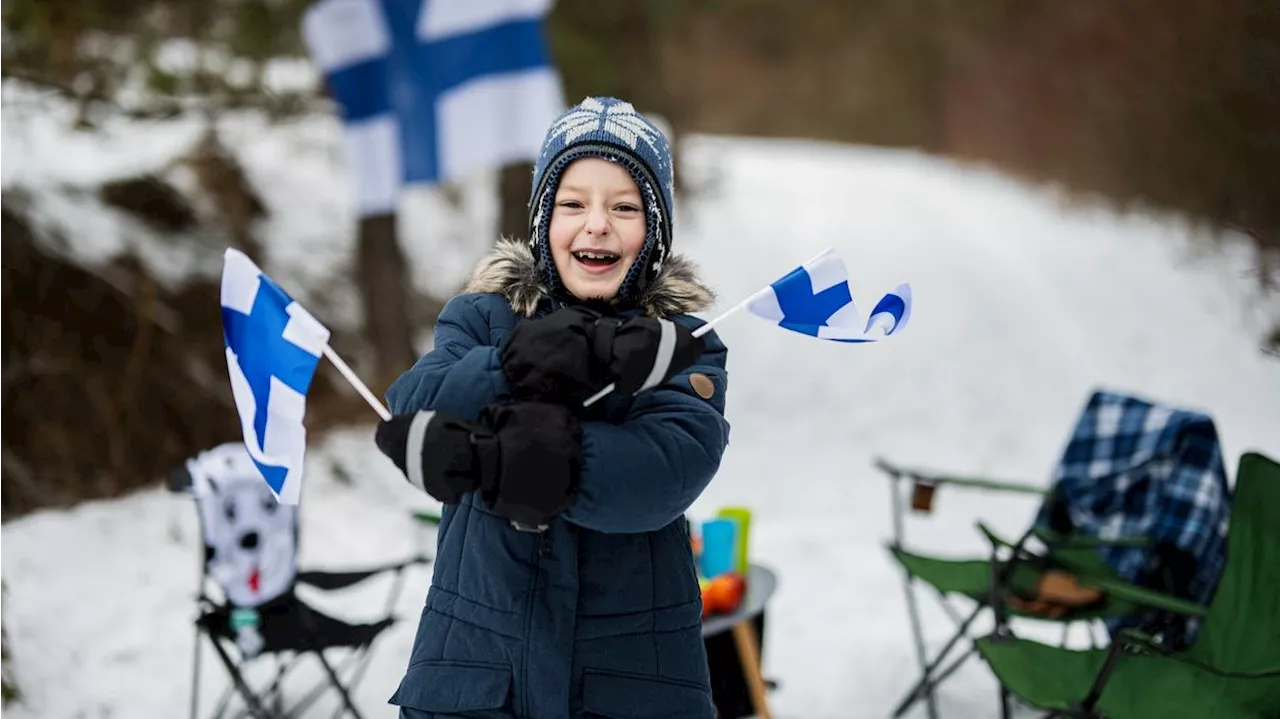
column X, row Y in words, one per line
column 761, row 584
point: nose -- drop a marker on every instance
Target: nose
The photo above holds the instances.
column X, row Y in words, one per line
column 249, row 541
column 597, row 222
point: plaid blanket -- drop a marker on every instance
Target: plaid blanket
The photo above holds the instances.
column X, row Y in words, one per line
column 1137, row 469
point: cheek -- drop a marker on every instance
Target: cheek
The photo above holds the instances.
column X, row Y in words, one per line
column 632, row 237
column 560, row 235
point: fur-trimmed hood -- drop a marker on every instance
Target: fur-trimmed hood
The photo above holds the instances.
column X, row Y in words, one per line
column 510, row 270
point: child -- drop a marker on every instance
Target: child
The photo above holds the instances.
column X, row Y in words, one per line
column 594, row 608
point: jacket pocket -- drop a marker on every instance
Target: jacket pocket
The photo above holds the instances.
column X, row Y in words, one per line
column 637, row 696
column 476, row 689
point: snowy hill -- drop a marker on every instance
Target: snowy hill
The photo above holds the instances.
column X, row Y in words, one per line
column 1022, row 306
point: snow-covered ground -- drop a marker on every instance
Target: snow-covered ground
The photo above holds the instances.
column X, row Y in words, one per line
column 1023, row 305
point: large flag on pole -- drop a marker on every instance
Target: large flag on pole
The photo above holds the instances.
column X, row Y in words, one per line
column 815, row 299
column 273, row 346
column 434, row 89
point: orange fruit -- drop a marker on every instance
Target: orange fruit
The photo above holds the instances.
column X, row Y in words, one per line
column 723, row 594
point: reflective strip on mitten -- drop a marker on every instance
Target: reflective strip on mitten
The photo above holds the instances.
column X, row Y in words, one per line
column 647, row 352
column 434, row 451
column 413, row 447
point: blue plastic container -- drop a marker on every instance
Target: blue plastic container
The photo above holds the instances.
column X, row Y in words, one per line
column 719, row 547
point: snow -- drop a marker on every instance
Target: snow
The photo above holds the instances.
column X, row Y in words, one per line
column 1024, row 304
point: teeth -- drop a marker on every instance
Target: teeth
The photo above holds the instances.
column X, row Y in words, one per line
column 596, row 255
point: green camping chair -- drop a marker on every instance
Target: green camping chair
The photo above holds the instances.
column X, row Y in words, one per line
column 1233, row 668
column 1012, row 569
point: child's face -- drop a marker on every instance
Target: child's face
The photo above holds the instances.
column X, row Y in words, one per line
column 597, row 227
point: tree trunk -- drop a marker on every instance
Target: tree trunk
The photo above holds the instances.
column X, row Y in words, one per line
column 514, row 187
column 384, row 291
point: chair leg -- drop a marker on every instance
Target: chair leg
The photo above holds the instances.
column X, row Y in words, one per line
column 273, row 691
column 225, row 701
column 271, row 694
column 924, row 687
column 899, row 531
column 360, row 660
column 917, row 633
column 254, row 706
column 338, row 685
column 1104, row 675
column 951, row 668
column 195, row 674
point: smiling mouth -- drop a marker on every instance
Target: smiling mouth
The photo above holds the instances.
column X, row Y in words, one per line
column 597, row 259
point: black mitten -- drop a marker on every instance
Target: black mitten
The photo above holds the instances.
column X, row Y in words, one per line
column 548, row 359
column 530, row 467
column 643, row 352
column 435, row 451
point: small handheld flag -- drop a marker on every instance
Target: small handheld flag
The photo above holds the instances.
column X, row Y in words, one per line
column 273, row 346
column 815, row 299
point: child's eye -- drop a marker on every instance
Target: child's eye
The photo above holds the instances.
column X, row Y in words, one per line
column 627, row 208
column 571, row 204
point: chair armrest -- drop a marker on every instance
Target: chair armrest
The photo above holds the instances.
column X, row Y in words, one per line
column 1146, row 597
column 329, row 581
column 996, row 540
column 1096, row 579
column 899, row 472
column 1054, row 540
column 425, row 516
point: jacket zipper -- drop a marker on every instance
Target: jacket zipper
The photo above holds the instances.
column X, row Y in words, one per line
column 543, row 544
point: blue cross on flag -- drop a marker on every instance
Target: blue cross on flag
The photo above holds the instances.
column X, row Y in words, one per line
column 273, row 347
column 815, row 299
column 434, row 89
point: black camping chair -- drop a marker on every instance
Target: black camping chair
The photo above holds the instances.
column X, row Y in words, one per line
column 248, row 608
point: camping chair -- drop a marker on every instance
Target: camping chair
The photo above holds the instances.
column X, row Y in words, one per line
column 1233, row 668
column 1124, row 451
column 248, row 608
column 1011, row 571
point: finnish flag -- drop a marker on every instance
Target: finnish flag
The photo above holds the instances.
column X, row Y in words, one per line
column 273, row 346
column 434, row 89
column 815, row 299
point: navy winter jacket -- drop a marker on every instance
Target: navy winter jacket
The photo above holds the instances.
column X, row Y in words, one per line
column 601, row 614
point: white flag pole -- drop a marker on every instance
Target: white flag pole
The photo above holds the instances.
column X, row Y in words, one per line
column 355, row 382
column 710, row 323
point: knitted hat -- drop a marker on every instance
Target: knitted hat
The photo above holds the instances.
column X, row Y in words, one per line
column 611, row 129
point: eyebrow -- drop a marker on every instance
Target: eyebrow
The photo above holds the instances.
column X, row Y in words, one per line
column 583, row 190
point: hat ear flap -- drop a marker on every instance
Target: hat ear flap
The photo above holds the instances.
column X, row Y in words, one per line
column 654, row 252
column 539, row 236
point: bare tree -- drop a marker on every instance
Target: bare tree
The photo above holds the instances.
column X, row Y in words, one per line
column 383, row 277
column 513, row 192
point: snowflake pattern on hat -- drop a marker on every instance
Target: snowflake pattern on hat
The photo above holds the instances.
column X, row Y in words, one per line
column 620, row 120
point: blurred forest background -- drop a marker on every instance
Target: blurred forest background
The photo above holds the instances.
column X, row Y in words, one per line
column 110, row 380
